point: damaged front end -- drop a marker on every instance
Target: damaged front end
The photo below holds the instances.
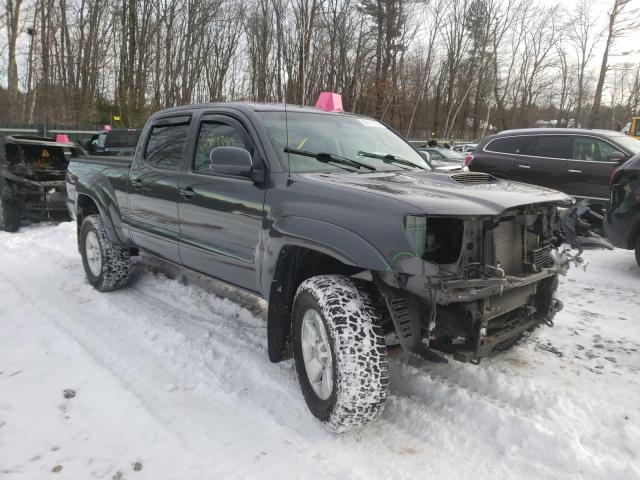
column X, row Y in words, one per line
column 476, row 284
column 32, row 171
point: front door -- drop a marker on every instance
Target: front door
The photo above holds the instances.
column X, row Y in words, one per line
column 153, row 188
column 220, row 215
column 590, row 168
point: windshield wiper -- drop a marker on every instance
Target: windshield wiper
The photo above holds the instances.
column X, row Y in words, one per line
column 388, row 158
column 325, row 157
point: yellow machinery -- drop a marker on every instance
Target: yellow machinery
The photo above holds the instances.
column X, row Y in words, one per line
column 634, row 128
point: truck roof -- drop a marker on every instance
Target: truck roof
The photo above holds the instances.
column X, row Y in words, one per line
column 250, row 106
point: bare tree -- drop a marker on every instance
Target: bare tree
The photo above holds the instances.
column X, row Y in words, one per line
column 622, row 20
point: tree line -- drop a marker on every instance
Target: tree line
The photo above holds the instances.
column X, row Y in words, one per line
column 445, row 68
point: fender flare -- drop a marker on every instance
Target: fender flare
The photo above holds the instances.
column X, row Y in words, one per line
column 108, row 209
column 332, row 240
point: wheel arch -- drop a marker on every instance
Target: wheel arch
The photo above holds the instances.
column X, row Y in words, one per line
column 296, row 248
column 87, row 204
column 294, row 265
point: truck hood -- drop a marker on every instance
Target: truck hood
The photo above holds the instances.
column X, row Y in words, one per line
column 446, row 194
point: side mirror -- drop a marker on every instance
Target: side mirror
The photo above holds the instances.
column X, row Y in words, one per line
column 231, row 161
column 617, row 157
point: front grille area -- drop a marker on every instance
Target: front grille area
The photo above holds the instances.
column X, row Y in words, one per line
column 540, row 257
column 471, row 178
column 506, row 242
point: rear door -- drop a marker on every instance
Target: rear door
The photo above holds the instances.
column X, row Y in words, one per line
column 220, row 215
column 546, row 164
column 589, row 168
column 153, row 187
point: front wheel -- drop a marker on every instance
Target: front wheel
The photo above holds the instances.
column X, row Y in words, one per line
column 339, row 351
column 106, row 265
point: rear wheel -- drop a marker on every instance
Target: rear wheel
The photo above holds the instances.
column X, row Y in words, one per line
column 107, row 266
column 638, row 251
column 339, row 352
column 9, row 215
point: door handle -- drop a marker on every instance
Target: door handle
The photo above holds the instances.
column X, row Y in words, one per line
column 187, row 193
column 137, row 183
column 524, row 166
column 574, row 171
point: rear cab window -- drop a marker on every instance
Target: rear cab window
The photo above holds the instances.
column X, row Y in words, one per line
column 166, row 143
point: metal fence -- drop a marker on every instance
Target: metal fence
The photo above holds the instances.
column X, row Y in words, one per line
column 80, row 134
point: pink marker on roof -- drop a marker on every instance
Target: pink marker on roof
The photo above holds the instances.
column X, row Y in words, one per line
column 330, row 102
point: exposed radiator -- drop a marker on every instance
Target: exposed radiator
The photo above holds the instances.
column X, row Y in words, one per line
column 540, row 257
column 507, row 244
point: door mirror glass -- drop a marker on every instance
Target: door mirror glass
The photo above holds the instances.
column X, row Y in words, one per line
column 617, row 157
column 230, row 161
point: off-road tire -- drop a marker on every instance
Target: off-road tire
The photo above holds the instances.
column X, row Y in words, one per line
column 9, row 215
column 116, row 262
column 638, row 251
column 358, row 352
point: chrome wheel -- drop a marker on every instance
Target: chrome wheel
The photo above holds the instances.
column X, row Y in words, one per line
column 316, row 353
column 93, row 253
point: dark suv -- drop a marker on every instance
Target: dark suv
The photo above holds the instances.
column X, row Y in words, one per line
column 575, row 161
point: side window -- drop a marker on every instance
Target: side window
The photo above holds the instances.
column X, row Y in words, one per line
column 636, row 132
column 586, row 148
column 215, row 134
column 552, row 146
column 515, row 145
column 166, row 143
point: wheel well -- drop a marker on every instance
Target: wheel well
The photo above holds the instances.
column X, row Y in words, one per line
column 85, row 206
column 295, row 265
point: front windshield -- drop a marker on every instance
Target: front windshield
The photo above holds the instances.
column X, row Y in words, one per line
column 630, row 143
column 345, row 136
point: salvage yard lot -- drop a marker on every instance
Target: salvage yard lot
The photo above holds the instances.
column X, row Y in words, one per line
column 178, row 380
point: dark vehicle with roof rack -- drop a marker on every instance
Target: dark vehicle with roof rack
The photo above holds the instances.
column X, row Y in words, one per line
column 576, row 161
column 32, row 179
column 359, row 247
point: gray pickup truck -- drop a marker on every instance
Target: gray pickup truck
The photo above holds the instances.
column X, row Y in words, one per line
column 359, row 247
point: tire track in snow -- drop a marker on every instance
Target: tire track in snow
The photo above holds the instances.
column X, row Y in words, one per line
column 208, row 433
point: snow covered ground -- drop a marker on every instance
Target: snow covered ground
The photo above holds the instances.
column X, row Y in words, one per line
column 177, row 380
